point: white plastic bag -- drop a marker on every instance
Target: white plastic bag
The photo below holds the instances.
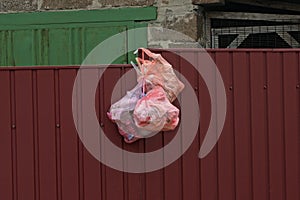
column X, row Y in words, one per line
column 121, row 113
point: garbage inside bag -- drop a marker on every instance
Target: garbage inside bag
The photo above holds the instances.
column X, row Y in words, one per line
column 154, row 112
column 127, row 103
column 159, row 72
column 147, row 109
column 121, row 113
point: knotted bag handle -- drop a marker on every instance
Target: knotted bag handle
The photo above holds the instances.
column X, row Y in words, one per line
column 154, row 56
column 149, row 53
column 141, row 61
column 142, row 73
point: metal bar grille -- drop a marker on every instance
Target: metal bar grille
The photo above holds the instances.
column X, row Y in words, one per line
column 231, row 33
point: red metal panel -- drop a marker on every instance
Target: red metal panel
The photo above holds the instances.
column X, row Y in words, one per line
column 172, row 182
column 242, row 123
column 67, row 150
column 259, row 125
column 226, row 147
column 209, row 165
column 291, row 124
column 257, row 155
column 206, row 178
column 89, row 167
column 6, row 157
column 275, row 125
column 190, row 161
column 154, row 181
column 114, row 182
column 46, row 140
column 24, row 136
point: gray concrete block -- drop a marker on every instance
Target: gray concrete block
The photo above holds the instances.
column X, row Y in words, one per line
column 64, row 4
column 17, row 5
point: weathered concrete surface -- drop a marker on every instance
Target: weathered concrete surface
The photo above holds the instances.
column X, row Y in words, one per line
column 157, row 33
column 91, row 4
column 17, row 5
column 63, row 4
column 180, row 16
column 186, row 24
column 119, row 3
column 206, row 2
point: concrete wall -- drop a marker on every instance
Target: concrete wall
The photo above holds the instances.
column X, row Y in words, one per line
column 179, row 15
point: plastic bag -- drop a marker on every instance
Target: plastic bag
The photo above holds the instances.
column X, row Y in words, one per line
column 146, row 109
column 126, row 104
column 121, row 113
column 159, row 72
column 154, row 112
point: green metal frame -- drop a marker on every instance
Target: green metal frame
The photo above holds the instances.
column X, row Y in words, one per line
column 125, row 18
column 79, row 16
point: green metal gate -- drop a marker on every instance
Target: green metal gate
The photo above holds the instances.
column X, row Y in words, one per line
column 65, row 38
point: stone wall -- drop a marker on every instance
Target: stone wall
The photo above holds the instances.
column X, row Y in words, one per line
column 179, row 15
column 42, row 5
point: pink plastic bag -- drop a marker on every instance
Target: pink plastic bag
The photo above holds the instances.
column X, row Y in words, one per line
column 158, row 71
column 154, row 112
column 146, row 109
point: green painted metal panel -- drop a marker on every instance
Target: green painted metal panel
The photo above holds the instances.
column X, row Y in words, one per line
column 81, row 16
column 64, row 42
column 137, row 38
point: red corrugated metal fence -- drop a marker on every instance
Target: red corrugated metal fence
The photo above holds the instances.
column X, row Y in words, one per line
column 257, row 156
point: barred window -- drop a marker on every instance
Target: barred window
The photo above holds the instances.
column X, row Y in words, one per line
column 237, row 33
